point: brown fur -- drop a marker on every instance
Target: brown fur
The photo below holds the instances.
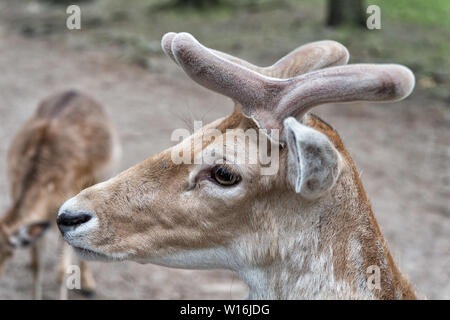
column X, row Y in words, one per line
column 392, row 279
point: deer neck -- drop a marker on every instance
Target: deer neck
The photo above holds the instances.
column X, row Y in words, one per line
column 330, row 249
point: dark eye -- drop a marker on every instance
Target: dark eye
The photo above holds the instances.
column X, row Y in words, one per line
column 224, row 176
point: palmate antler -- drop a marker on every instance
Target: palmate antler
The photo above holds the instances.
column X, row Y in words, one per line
column 268, row 100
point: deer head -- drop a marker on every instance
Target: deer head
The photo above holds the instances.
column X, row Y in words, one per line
column 33, row 190
column 22, row 237
column 217, row 213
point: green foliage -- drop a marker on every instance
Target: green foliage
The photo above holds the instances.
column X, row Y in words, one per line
column 430, row 12
column 65, row 2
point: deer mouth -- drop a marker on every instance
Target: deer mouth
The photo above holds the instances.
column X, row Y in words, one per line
column 88, row 254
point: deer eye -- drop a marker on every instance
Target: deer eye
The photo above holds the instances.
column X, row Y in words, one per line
column 224, row 176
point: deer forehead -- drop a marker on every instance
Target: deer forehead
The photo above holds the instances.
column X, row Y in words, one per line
column 216, row 141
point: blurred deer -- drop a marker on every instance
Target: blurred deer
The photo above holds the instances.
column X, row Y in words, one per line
column 65, row 147
column 306, row 231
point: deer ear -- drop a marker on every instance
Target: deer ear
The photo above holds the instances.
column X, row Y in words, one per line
column 313, row 161
column 28, row 234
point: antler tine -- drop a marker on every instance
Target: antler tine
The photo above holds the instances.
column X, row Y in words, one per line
column 245, row 86
column 309, row 57
column 306, row 58
column 358, row 82
column 166, row 44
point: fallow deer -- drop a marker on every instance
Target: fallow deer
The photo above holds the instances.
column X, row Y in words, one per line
column 306, row 232
column 67, row 145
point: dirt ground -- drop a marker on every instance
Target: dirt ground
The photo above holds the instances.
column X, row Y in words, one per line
column 402, row 151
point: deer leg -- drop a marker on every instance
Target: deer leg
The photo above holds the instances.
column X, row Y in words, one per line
column 87, row 280
column 36, row 267
column 66, row 258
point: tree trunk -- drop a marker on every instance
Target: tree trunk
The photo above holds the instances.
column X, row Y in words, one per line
column 197, row 3
column 346, row 12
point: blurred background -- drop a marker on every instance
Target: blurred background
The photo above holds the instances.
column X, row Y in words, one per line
column 402, row 150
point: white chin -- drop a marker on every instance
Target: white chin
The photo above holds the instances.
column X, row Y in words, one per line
column 87, row 254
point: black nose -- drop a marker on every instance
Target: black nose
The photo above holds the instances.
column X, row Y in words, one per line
column 68, row 221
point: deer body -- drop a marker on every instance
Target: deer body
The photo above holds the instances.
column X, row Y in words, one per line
column 66, row 146
column 306, row 231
